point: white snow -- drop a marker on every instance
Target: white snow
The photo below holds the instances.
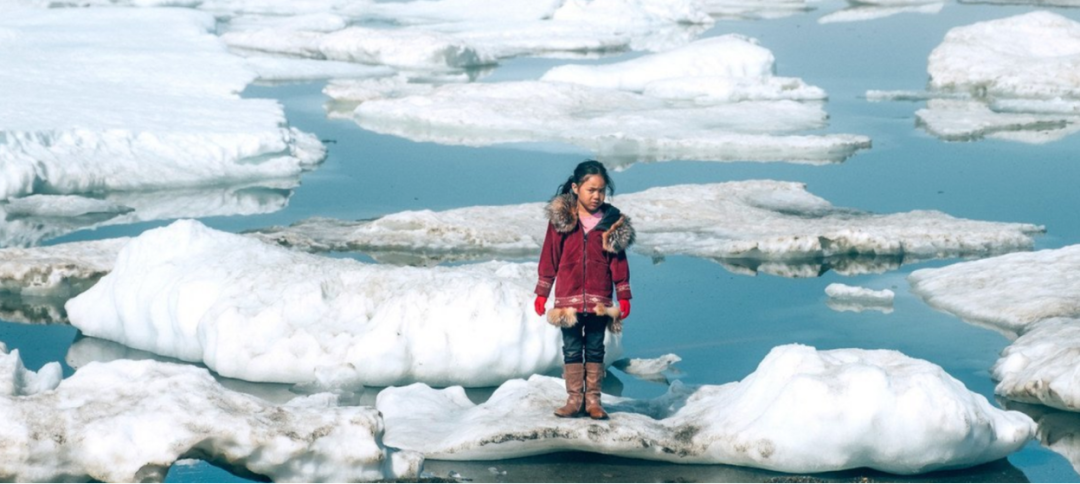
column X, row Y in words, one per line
column 124, row 99
column 279, row 69
column 17, row 381
column 257, row 312
column 801, row 411
column 1036, row 54
column 1009, row 292
column 862, row 11
column 58, row 270
column 759, row 219
column 1041, row 366
column 129, row 421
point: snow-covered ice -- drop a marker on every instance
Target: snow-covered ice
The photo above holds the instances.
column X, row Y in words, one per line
column 861, row 11
column 129, row 421
column 1043, row 365
column 733, row 222
column 802, row 410
column 132, row 99
column 1009, row 292
column 57, row 270
column 666, row 106
column 258, row 312
column 843, row 297
column 17, row 381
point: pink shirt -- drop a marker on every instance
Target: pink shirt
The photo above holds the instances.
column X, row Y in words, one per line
column 588, row 222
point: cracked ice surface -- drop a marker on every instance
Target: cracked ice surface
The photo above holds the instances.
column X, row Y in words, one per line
column 730, row 108
column 802, row 410
column 148, row 99
column 1041, row 366
column 760, row 219
column 258, row 312
column 129, row 421
column 1009, row 292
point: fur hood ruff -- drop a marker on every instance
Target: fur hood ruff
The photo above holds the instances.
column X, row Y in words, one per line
column 617, row 232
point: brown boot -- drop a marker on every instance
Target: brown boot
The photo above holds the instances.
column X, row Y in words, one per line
column 574, row 374
column 594, row 376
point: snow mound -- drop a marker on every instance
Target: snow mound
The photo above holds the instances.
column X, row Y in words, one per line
column 760, row 220
column 1036, row 54
column 59, row 270
column 1008, row 293
column 851, row 298
column 802, row 410
column 129, row 421
column 17, row 381
column 1041, row 365
column 84, row 96
column 257, row 312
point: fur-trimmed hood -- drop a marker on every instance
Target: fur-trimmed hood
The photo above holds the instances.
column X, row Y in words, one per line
column 618, row 232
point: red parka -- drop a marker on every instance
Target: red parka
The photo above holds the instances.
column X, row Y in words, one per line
column 585, row 265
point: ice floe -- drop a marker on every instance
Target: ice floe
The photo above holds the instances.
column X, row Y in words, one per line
column 1041, row 366
column 1009, row 292
column 649, row 369
column 129, row 421
column 58, row 270
column 666, row 106
column 132, row 99
column 802, row 410
column 258, row 312
column 754, row 9
column 17, row 381
column 862, row 11
column 734, row 222
column 962, row 120
column 857, row 299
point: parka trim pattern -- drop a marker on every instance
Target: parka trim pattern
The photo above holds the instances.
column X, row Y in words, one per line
column 618, row 232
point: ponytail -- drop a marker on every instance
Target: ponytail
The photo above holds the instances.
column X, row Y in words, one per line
column 584, row 170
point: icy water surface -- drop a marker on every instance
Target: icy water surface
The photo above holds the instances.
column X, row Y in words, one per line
column 721, row 323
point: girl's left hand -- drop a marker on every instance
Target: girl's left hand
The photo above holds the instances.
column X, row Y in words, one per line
column 624, row 308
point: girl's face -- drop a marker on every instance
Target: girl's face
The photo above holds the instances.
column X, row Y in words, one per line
column 590, row 193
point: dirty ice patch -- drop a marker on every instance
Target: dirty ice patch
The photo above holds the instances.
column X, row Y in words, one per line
column 58, row 270
column 1041, row 366
column 734, row 222
column 843, row 297
column 801, row 411
column 129, row 421
column 123, row 99
column 1009, row 292
column 258, row 312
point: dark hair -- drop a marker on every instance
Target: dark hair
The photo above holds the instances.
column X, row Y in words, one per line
column 584, row 170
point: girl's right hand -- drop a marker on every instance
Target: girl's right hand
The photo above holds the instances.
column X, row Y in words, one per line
column 539, row 305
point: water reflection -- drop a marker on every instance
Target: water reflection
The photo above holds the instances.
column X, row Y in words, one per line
column 1058, row 430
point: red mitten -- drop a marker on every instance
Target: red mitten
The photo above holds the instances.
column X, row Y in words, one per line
column 539, row 305
column 624, row 308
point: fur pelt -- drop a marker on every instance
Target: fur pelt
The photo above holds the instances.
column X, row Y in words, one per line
column 567, row 317
column 563, row 215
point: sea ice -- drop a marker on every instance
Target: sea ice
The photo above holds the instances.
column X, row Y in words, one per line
column 1041, row 366
column 129, row 421
column 754, row 9
column 801, row 411
column 962, row 120
column 862, row 11
column 258, row 312
column 58, row 270
column 649, row 369
column 851, row 298
column 17, row 381
column 733, row 222
column 1009, row 292
column 133, row 99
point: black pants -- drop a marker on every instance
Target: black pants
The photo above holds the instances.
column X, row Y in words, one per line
column 588, row 336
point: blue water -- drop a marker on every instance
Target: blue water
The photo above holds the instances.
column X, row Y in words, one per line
column 720, row 323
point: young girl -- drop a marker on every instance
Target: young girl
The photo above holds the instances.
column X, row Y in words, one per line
column 585, row 248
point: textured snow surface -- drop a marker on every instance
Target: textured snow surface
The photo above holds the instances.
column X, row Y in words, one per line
column 760, row 220
column 1036, row 54
column 58, row 270
column 1009, row 292
column 714, row 99
column 1043, row 365
column 257, row 312
column 128, row 421
column 858, row 299
column 802, row 410
column 17, row 381
column 123, row 99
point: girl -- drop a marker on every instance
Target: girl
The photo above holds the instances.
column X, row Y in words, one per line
column 585, row 248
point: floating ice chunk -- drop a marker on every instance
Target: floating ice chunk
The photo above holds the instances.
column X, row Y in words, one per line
column 802, row 410
column 129, row 421
column 734, row 221
column 1041, row 365
column 651, row 369
column 850, row 298
column 290, row 69
column 1008, row 293
column 58, row 270
column 1031, row 55
column 754, row 9
column 861, row 11
column 90, row 119
column 313, row 22
column 258, row 312
column 1046, row 106
column 632, row 12
column 960, row 120
column 372, row 89
column 422, row 12
column 16, row 380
